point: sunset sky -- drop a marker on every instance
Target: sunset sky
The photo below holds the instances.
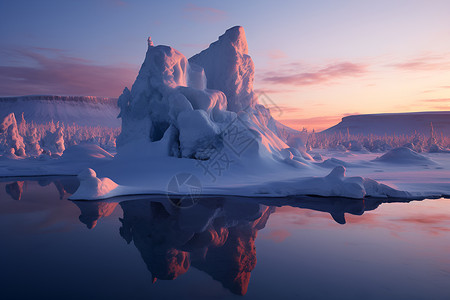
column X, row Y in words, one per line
column 316, row 60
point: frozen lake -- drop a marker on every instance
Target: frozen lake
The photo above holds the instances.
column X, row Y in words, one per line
column 218, row 248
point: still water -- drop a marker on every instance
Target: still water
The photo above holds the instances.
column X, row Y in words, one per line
column 218, row 248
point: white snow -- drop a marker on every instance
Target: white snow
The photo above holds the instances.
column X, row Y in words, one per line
column 92, row 187
column 404, row 155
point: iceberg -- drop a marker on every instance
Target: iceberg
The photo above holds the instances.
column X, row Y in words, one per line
column 200, row 116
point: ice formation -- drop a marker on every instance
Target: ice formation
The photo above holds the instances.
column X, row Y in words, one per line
column 194, row 106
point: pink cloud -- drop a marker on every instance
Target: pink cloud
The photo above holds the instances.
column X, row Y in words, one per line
column 272, row 91
column 339, row 70
column 438, row 100
column 203, row 14
column 49, row 71
column 425, row 63
column 436, row 103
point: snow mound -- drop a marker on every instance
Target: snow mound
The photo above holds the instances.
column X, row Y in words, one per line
column 335, row 184
column 332, row 163
column 92, row 187
column 404, row 155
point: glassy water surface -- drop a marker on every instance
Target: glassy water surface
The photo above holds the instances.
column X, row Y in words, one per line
column 219, row 248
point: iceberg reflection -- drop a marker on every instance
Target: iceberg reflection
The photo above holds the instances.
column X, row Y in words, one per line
column 215, row 236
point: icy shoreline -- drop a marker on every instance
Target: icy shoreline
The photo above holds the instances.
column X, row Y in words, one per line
column 133, row 178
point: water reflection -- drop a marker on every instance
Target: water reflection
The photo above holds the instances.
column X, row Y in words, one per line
column 65, row 185
column 92, row 211
column 216, row 236
column 336, row 207
column 15, row 189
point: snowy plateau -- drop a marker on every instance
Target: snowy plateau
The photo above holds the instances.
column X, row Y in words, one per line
column 199, row 121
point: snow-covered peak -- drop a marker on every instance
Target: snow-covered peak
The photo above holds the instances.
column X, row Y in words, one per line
column 163, row 65
column 229, row 68
column 236, row 37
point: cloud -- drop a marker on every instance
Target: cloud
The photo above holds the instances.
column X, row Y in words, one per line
column 50, row 71
column 272, row 91
column 203, row 14
column 438, row 100
column 436, row 104
column 332, row 72
column 439, row 107
column 425, row 63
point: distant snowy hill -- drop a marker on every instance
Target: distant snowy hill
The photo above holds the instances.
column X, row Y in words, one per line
column 394, row 123
column 82, row 110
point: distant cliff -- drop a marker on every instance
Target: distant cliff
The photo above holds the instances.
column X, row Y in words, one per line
column 394, row 123
column 81, row 110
